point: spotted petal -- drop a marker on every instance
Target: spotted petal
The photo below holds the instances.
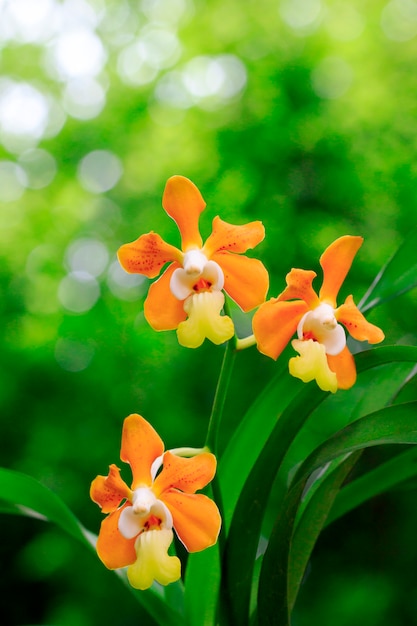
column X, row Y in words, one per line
column 299, row 287
column 350, row 316
column 196, row 519
column 114, row 550
column 162, row 310
column 184, row 203
column 141, row 445
column 245, row 279
column 274, row 323
column 109, row 491
column 187, row 474
column 147, row 255
column 336, row 261
column 233, row 238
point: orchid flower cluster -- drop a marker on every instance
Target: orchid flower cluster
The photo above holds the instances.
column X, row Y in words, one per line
column 189, row 297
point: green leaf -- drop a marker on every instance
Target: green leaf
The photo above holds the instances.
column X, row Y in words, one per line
column 203, row 573
column 30, row 497
column 312, row 519
column 284, row 418
column 388, row 475
column 395, row 425
column 397, row 276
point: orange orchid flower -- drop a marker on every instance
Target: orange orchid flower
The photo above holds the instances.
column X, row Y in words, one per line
column 137, row 531
column 189, row 294
column 317, row 320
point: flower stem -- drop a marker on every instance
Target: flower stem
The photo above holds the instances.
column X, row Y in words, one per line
column 220, row 396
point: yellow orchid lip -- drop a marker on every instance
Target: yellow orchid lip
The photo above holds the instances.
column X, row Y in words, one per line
column 157, row 502
column 317, row 319
column 219, row 263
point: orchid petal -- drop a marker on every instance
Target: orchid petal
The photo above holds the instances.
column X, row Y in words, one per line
column 274, row 323
column 343, row 365
column 246, row 280
column 141, row 445
column 299, row 287
column 162, row 310
column 153, row 561
column 130, row 524
column 147, row 255
column 349, row 315
column 204, row 320
column 186, row 474
column 113, row 549
column 312, row 364
column 320, row 324
column 228, row 237
column 336, row 261
column 184, row 203
column 109, row 491
column 196, row 519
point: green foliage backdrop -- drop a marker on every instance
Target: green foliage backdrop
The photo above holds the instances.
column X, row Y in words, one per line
column 299, row 113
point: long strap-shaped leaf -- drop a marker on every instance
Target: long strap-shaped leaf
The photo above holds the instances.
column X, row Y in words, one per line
column 394, row 425
column 397, row 276
column 32, row 498
column 242, row 542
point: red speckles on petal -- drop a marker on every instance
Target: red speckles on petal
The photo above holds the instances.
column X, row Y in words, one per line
column 147, row 255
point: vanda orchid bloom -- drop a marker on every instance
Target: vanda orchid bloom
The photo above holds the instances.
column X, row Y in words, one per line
column 188, row 296
column 321, row 342
column 137, row 531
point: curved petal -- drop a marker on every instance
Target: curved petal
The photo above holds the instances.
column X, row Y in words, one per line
column 312, row 364
column 274, row 323
column 336, row 261
column 299, row 287
column 147, row 255
column 184, row 203
column 141, row 445
column 343, row 365
column 350, row 316
column 196, row 518
column 246, row 280
column 109, row 491
column 154, row 562
column 204, row 320
column 233, row 238
column 114, row 550
column 162, row 309
column 186, row 474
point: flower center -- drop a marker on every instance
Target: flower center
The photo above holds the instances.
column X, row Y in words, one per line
column 197, row 274
column 146, row 513
column 321, row 325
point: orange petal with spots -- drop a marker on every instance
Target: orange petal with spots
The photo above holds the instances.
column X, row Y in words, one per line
column 162, row 310
column 233, row 238
column 343, row 365
column 246, row 280
column 141, row 445
column 196, row 519
column 299, row 287
column 109, row 491
column 350, row 316
column 147, row 255
column 274, row 324
column 113, row 549
column 336, row 261
column 186, row 474
column 184, row 203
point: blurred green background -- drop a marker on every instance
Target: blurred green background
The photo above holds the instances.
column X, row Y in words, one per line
column 301, row 113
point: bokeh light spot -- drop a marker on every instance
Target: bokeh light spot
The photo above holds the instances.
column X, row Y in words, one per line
column 399, row 20
column 73, row 356
column 125, row 286
column 13, row 181
column 87, row 255
column 84, row 98
column 78, row 292
column 76, row 53
column 331, row 78
column 99, row 171
column 39, row 166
